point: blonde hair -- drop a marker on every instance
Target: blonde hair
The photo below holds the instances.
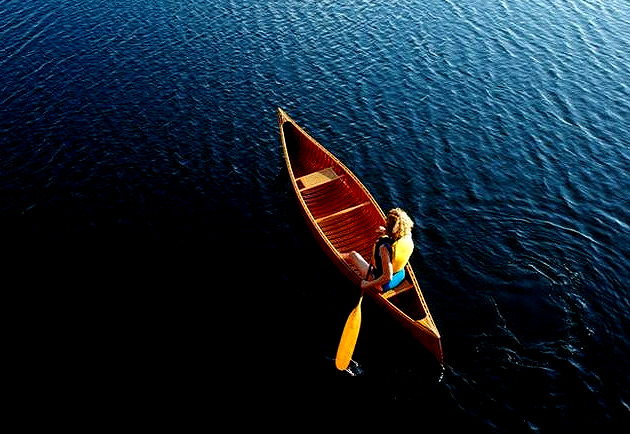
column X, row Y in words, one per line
column 399, row 224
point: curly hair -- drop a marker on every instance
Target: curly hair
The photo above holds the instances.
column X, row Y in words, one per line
column 399, row 224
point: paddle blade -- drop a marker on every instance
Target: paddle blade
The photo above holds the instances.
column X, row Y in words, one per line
column 349, row 338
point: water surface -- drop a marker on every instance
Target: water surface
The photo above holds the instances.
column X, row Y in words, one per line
column 140, row 169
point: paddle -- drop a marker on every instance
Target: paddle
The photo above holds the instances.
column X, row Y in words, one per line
column 349, row 337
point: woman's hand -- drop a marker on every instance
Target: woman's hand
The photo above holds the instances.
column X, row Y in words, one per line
column 365, row 284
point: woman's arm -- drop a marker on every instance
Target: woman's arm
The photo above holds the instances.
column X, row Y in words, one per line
column 388, row 272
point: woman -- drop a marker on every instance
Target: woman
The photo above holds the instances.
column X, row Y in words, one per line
column 391, row 253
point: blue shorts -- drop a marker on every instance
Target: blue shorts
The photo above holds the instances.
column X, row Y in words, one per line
column 397, row 278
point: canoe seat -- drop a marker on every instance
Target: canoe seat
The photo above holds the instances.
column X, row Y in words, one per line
column 405, row 285
column 316, row 178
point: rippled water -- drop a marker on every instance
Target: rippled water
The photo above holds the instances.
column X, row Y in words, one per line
column 140, row 169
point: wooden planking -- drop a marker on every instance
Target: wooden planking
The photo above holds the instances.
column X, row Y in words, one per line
column 353, row 230
column 341, row 213
column 324, row 205
column 357, row 233
column 325, row 190
column 305, row 156
column 347, row 244
column 347, row 222
column 331, row 197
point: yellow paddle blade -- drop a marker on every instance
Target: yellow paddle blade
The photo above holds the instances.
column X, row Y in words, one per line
column 349, row 338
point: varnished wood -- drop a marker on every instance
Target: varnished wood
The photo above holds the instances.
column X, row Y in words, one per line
column 343, row 216
column 317, row 178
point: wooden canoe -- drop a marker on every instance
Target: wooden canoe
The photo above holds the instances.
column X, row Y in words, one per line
column 343, row 216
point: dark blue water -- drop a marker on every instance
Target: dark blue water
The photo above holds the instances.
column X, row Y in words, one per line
column 146, row 212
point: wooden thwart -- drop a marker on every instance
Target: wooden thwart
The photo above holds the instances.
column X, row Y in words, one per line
column 343, row 211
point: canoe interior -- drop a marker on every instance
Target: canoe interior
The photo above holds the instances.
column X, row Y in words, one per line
column 341, row 208
column 408, row 302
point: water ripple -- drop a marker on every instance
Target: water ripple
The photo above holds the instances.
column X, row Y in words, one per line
column 500, row 125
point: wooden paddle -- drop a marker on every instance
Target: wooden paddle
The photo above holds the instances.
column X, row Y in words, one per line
column 349, row 337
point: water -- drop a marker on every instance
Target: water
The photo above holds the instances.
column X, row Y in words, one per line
column 147, row 215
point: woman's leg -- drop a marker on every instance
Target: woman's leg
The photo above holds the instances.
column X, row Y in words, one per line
column 357, row 260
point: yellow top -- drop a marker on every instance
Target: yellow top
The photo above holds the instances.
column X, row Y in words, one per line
column 402, row 250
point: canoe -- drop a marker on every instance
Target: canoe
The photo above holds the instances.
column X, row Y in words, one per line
column 343, row 216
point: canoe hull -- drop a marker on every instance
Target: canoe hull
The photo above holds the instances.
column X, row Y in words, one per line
column 343, row 216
